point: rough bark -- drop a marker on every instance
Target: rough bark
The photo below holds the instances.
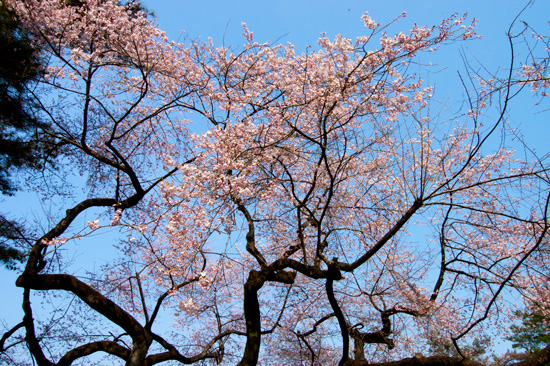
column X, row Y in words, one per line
column 252, row 316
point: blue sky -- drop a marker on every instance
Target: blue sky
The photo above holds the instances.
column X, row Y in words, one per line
column 301, row 23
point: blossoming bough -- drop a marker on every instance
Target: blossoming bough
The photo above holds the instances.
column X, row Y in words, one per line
column 267, row 196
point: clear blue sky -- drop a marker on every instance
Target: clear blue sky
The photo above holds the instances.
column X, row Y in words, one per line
column 301, row 22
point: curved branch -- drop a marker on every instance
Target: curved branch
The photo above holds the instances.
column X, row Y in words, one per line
column 110, row 347
column 419, row 360
column 32, row 342
column 164, row 296
column 250, row 235
column 8, row 334
column 174, row 354
column 334, row 274
column 541, row 239
column 86, row 293
column 417, row 204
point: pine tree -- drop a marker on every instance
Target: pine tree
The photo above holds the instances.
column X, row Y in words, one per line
column 19, row 66
column 533, row 334
column 21, row 143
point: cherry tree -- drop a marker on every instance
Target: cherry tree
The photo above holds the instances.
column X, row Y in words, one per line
column 274, row 207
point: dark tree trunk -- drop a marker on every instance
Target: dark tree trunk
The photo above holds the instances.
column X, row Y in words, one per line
column 253, row 322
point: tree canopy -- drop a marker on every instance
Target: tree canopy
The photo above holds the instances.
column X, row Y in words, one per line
column 20, row 145
column 19, row 67
column 529, row 337
column 276, row 207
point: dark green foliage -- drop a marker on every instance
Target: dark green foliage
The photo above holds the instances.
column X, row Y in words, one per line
column 529, row 338
column 19, row 128
column 10, row 232
column 22, row 142
column 533, row 334
column 24, row 139
column 10, row 257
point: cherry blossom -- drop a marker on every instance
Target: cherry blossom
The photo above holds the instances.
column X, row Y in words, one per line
column 271, row 206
